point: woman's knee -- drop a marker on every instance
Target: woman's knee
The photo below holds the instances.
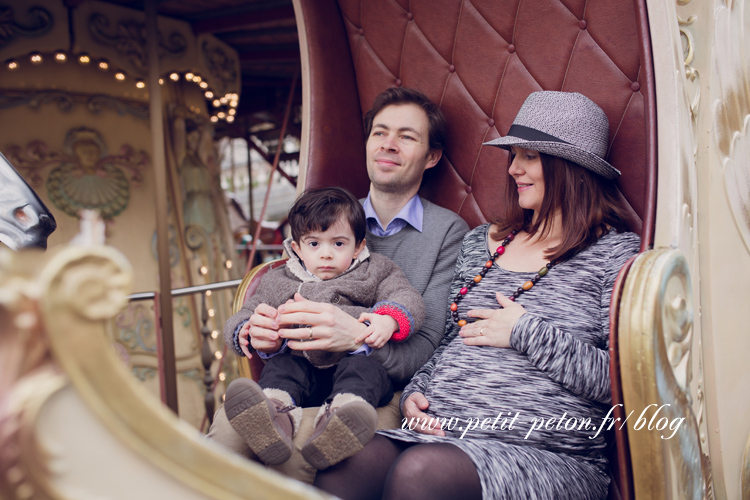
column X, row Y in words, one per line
column 428, row 462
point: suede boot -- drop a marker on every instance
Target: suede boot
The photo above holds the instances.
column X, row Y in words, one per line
column 342, row 428
column 265, row 418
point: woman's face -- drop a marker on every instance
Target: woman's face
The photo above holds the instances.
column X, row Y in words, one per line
column 526, row 170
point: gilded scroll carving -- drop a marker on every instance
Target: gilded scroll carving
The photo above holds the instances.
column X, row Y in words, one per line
column 656, row 337
column 129, row 37
column 40, row 22
column 54, row 308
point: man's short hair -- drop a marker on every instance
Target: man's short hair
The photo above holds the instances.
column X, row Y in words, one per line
column 319, row 209
column 402, row 95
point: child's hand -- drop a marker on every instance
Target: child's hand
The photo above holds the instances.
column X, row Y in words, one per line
column 379, row 332
column 244, row 339
column 264, row 329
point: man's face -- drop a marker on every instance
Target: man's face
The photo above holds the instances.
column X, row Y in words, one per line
column 398, row 149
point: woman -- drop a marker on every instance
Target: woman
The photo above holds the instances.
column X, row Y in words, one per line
column 526, row 384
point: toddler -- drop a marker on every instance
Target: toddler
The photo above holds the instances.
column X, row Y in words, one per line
column 328, row 262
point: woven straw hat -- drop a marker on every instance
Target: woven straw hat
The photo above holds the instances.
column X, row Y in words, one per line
column 564, row 124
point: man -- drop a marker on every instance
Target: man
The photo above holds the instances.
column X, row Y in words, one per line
column 405, row 136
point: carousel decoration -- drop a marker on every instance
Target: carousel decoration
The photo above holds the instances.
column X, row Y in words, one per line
column 10, row 29
column 129, row 37
column 84, row 176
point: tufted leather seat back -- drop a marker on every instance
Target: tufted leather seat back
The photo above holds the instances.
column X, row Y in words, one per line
column 478, row 59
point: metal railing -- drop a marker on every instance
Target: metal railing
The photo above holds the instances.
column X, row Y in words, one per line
column 207, row 355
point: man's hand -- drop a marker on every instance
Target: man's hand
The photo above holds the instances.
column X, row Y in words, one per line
column 332, row 329
column 263, row 328
column 413, row 408
column 381, row 329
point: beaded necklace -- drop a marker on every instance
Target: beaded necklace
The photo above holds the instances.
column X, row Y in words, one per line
column 487, row 266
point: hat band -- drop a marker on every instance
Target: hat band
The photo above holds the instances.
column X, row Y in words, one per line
column 532, row 134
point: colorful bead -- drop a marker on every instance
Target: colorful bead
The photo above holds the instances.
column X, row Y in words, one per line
column 487, row 266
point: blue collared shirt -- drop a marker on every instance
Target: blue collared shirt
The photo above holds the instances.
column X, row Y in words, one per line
column 412, row 213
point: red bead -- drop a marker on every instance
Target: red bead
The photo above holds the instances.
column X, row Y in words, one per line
column 510, row 237
column 488, row 264
column 463, row 291
column 512, row 299
column 500, row 250
column 454, row 307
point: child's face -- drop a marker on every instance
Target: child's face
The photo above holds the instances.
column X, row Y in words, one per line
column 329, row 253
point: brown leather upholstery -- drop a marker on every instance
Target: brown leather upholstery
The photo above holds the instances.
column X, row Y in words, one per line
column 479, row 59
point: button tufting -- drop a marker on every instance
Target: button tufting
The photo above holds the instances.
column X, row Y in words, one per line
column 582, row 24
column 511, row 48
column 491, row 122
column 635, row 86
column 361, row 31
column 468, row 189
column 398, row 82
column 409, row 16
column 452, row 68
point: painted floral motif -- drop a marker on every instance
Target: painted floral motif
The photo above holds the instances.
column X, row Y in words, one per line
column 129, row 37
column 83, row 176
column 9, row 28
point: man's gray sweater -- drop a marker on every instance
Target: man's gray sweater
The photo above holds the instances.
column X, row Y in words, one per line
column 428, row 260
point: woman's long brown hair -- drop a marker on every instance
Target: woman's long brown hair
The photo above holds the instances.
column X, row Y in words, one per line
column 589, row 205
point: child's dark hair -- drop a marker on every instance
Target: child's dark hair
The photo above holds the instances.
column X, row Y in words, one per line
column 319, row 209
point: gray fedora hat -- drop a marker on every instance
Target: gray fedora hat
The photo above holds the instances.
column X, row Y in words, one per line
column 564, row 124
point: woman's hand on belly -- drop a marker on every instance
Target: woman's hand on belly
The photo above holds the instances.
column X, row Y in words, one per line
column 494, row 326
column 414, row 407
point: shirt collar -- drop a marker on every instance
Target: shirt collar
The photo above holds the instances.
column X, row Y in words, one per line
column 412, row 213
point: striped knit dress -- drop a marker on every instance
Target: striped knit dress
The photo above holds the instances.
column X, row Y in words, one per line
column 527, row 415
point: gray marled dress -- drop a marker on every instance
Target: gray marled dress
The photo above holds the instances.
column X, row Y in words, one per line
column 557, row 366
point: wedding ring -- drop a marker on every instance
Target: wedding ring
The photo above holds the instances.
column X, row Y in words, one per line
column 310, row 328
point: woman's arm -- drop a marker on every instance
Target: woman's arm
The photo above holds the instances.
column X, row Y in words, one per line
column 579, row 366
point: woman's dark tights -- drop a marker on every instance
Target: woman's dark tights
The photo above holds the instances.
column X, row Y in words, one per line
column 394, row 470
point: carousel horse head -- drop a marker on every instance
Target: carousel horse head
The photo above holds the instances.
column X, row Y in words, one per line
column 24, row 219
